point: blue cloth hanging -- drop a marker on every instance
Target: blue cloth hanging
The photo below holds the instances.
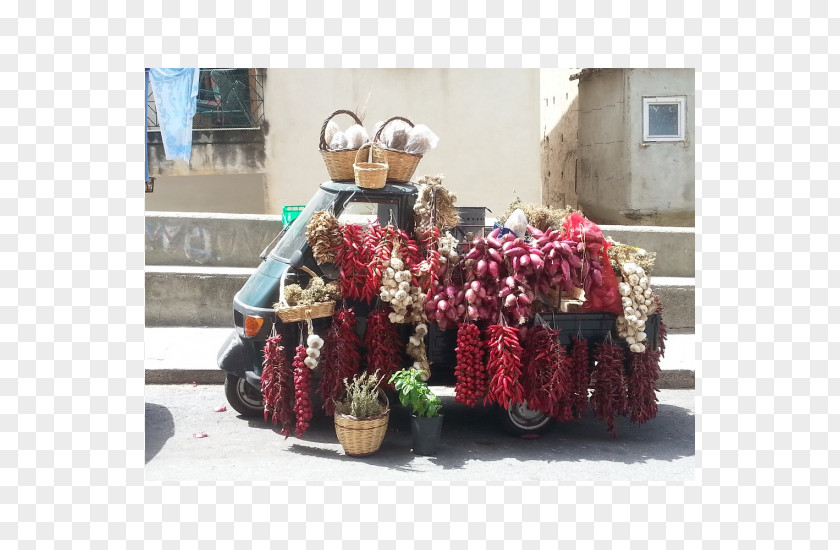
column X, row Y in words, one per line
column 175, row 92
column 146, row 123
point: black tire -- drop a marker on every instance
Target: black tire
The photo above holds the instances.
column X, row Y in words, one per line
column 520, row 420
column 243, row 397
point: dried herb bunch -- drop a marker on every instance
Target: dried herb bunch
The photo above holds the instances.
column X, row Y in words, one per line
column 435, row 206
column 362, row 396
column 315, row 292
column 621, row 254
column 541, row 217
column 323, row 232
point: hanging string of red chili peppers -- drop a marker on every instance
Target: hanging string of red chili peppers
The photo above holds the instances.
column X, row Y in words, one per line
column 504, row 366
column 276, row 382
column 355, row 260
column 303, row 382
column 273, row 359
column 342, row 357
column 470, row 374
column 609, row 398
column 384, row 348
column 644, row 374
column 642, row 386
column 546, row 373
column 580, row 376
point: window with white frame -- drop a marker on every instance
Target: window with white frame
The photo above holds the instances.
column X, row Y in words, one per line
column 663, row 118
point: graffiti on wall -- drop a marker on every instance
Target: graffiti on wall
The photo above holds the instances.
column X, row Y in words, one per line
column 195, row 242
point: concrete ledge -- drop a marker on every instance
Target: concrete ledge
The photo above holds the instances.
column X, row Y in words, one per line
column 675, row 380
column 183, row 355
column 178, row 376
column 194, row 296
column 677, row 295
column 198, row 297
column 674, row 246
column 200, row 239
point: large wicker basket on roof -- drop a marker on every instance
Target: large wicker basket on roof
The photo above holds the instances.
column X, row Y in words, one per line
column 339, row 162
column 401, row 165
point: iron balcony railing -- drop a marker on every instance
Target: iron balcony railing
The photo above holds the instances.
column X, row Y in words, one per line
column 227, row 98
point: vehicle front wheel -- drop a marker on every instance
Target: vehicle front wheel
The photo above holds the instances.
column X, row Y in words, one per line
column 243, row 397
column 518, row 419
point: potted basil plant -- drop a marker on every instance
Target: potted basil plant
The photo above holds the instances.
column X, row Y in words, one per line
column 426, row 420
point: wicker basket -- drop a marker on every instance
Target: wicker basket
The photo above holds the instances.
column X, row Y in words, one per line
column 373, row 173
column 362, row 436
column 401, row 165
column 339, row 163
column 290, row 314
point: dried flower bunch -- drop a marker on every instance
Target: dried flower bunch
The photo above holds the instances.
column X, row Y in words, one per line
column 362, row 396
column 621, row 254
column 323, row 233
column 315, row 292
column 541, row 217
column 435, row 206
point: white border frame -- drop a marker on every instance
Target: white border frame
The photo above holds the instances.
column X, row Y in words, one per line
column 659, row 100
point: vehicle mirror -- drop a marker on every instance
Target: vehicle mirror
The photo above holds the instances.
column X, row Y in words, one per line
column 296, row 259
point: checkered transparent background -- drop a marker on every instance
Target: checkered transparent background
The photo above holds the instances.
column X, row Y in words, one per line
column 72, row 256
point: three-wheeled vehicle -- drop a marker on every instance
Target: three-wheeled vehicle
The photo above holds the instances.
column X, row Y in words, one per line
column 241, row 355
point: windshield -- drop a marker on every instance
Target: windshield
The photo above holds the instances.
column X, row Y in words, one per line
column 360, row 211
column 295, row 236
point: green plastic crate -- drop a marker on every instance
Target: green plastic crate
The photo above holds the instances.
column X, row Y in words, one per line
column 292, row 212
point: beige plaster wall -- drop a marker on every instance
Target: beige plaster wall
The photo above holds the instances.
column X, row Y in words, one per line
column 559, row 127
column 228, row 193
column 603, row 174
column 621, row 179
column 488, row 122
column 663, row 173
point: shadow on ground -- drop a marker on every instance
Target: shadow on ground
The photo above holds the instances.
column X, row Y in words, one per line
column 164, row 428
column 477, row 434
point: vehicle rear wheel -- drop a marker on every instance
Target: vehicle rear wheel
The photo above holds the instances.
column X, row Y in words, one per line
column 518, row 419
column 243, row 397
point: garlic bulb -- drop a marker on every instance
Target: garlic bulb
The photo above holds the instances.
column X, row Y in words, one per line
column 313, row 353
column 315, row 341
column 636, row 302
column 395, row 288
column 310, row 362
column 416, row 349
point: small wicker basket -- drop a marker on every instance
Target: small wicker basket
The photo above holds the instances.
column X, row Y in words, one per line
column 373, row 173
column 340, row 162
column 401, row 165
column 290, row 314
column 362, row 436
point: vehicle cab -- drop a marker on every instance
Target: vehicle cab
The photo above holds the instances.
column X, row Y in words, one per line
column 241, row 355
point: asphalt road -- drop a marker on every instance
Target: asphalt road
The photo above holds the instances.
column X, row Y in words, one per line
column 474, row 445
